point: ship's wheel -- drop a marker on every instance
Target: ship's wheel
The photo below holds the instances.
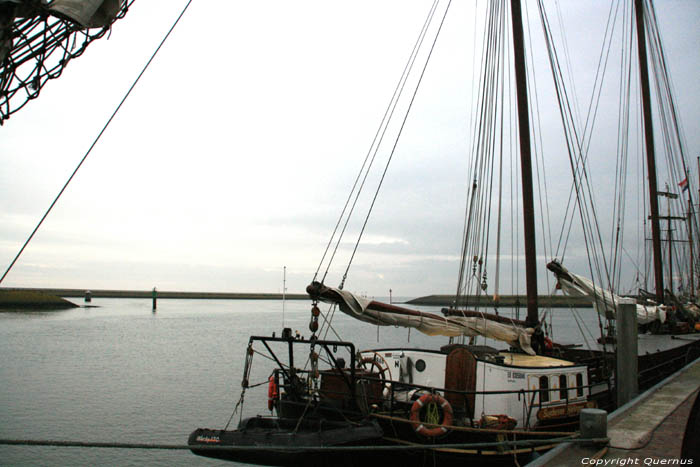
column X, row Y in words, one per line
column 375, row 363
column 38, row 38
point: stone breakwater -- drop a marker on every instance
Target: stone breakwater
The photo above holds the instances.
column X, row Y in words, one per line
column 31, row 295
column 14, row 299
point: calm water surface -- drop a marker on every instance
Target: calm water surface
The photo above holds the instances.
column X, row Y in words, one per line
column 125, row 374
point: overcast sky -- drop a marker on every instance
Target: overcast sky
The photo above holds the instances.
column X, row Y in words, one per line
column 235, row 153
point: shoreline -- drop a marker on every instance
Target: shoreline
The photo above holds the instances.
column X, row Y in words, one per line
column 32, row 299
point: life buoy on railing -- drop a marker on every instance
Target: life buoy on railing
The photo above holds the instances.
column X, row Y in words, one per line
column 431, row 402
column 272, row 392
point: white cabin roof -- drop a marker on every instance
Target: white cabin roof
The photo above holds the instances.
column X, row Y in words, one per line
column 533, row 361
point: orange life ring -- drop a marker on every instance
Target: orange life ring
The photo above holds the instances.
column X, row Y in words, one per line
column 272, row 392
column 417, row 423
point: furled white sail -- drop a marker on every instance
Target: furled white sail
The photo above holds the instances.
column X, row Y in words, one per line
column 604, row 301
column 427, row 323
column 88, row 13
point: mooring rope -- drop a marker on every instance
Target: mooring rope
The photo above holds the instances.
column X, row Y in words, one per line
column 481, row 430
column 218, row 447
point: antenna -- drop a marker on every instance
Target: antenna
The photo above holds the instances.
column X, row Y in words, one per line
column 284, row 292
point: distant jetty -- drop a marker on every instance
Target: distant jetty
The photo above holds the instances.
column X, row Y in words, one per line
column 551, row 301
column 23, row 299
column 558, row 301
column 103, row 293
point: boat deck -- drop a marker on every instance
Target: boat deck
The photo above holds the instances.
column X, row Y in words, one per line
column 651, row 426
column 654, row 343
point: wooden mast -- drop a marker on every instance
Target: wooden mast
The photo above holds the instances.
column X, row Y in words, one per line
column 649, row 142
column 525, row 163
column 689, row 221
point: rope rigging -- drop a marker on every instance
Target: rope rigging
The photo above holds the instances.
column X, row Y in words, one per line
column 588, row 128
column 372, row 154
column 671, row 130
column 539, row 155
column 608, row 260
column 492, row 134
column 376, row 144
column 582, row 186
column 493, row 104
column 396, row 141
column 600, row 268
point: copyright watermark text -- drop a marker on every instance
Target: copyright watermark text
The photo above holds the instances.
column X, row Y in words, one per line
column 621, row 462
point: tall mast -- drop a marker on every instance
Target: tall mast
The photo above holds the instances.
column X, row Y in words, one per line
column 649, row 142
column 525, row 163
column 690, row 243
column 670, row 248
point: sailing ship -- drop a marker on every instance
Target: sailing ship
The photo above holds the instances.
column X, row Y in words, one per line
column 331, row 402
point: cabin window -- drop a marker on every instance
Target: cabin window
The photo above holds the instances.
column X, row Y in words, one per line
column 579, row 383
column 544, row 386
column 420, row 364
column 562, row 387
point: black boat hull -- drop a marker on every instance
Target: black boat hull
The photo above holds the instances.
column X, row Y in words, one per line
column 270, row 441
column 334, row 430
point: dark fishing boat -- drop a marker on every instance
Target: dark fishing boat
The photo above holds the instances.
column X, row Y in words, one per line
column 388, row 404
column 413, row 406
column 331, row 403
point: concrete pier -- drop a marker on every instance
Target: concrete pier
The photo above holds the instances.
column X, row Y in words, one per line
column 646, row 431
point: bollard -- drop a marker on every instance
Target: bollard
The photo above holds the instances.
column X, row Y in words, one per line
column 594, row 423
column 626, row 373
column 154, row 295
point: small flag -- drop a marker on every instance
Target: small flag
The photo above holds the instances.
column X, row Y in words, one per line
column 684, row 184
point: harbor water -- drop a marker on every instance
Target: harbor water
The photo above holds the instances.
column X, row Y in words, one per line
column 123, row 373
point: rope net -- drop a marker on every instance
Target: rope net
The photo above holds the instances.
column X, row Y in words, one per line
column 39, row 38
